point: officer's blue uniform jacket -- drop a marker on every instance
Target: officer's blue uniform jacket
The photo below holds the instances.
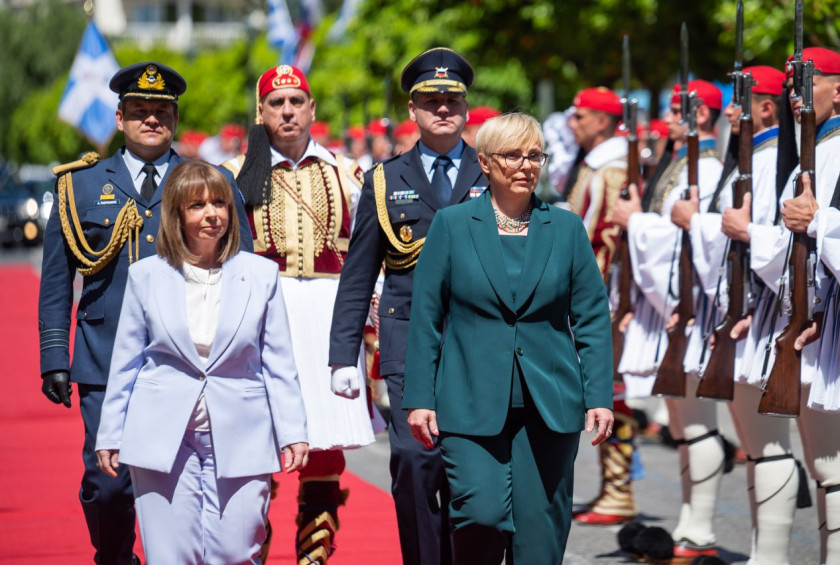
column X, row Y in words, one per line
column 101, row 299
column 411, row 202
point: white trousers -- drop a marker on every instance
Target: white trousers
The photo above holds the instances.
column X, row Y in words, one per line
column 191, row 517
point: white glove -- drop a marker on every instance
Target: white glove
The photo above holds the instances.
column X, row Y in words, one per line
column 345, row 381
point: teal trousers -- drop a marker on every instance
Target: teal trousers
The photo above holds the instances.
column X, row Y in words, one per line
column 511, row 490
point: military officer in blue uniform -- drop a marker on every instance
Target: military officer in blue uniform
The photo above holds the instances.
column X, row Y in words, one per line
column 106, row 216
column 399, row 199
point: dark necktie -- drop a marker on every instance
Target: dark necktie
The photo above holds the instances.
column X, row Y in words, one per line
column 440, row 180
column 149, row 186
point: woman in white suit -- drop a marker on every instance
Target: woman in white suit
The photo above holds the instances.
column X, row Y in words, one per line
column 203, row 393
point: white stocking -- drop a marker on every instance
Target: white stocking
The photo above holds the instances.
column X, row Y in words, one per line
column 704, row 461
column 772, row 484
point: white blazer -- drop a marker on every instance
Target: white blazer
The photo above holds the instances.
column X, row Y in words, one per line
column 250, row 382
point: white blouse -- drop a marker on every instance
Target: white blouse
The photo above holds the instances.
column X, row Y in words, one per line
column 203, row 295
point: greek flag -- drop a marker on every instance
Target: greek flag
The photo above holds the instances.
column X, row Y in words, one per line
column 281, row 32
column 345, row 16
column 87, row 103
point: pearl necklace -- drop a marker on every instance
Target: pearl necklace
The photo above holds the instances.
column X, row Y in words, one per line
column 513, row 225
column 199, row 276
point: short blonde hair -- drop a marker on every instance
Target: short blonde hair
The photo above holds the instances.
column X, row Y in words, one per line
column 186, row 182
column 508, row 131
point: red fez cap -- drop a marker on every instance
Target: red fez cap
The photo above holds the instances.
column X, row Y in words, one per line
column 406, row 128
column 709, row 94
column 624, row 132
column 192, row 137
column 767, row 80
column 481, row 114
column 319, row 128
column 601, row 99
column 378, row 127
column 356, row 132
column 825, row 60
column 284, row 76
column 232, row 130
column 657, row 129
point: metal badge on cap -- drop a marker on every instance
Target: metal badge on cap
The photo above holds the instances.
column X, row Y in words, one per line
column 151, row 79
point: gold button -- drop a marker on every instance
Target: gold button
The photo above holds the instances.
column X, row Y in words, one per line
column 148, row 213
column 202, row 376
column 402, row 215
column 390, row 310
column 107, row 222
column 84, row 315
column 150, row 238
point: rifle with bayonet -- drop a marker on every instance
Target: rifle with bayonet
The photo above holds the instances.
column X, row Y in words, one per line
column 389, row 123
column 621, row 270
column 718, row 380
column 345, row 124
column 782, row 389
column 670, row 378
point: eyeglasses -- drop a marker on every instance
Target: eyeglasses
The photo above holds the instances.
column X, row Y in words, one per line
column 515, row 160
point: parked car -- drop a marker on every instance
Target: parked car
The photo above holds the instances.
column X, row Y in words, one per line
column 26, row 197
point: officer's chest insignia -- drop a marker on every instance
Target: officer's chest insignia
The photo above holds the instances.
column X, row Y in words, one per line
column 406, row 234
column 107, row 196
column 476, row 191
column 403, row 196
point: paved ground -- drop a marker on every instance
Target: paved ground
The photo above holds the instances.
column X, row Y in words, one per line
column 658, row 497
column 658, row 494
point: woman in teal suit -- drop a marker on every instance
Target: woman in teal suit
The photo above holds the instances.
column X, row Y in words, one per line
column 509, row 354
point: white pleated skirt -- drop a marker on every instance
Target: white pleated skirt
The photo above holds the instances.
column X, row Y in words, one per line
column 332, row 421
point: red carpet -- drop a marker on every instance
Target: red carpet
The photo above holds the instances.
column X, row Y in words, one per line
column 40, row 464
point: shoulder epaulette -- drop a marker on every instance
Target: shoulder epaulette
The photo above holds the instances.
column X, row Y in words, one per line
column 392, row 157
column 87, row 160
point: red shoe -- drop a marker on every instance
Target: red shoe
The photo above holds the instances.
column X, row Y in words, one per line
column 596, row 519
column 686, row 552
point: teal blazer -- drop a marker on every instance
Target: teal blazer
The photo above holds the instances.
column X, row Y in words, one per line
column 558, row 331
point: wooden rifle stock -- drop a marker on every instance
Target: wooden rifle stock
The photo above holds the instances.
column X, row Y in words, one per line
column 782, row 393
column 670, row 378
column 621, row 262
column 718, row 379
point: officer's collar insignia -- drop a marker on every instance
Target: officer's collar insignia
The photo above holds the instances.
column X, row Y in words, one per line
column 286, row 78
column 108, row 188
column 151, row 79
column 441, row 72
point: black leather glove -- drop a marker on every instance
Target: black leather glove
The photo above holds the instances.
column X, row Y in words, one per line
column 56, row 387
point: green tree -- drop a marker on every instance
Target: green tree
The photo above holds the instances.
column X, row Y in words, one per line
column 38, row 45
column 514, row 45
